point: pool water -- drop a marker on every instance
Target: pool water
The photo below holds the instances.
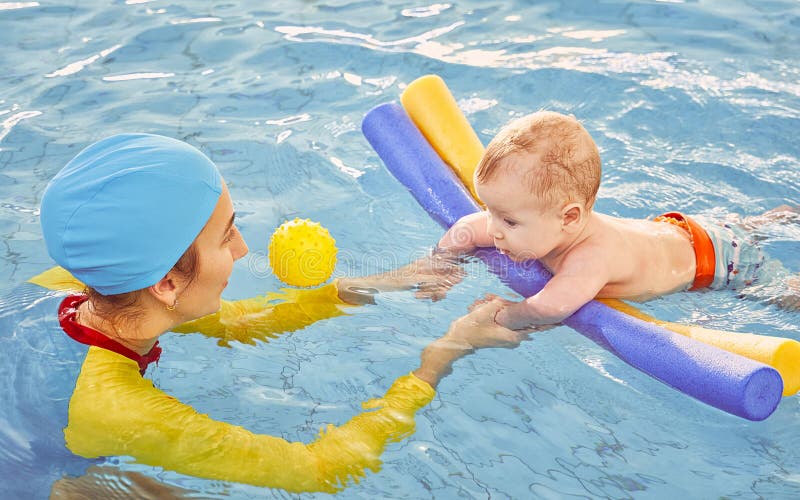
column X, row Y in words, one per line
column 694, row 105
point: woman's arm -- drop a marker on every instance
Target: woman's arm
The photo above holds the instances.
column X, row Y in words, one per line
column 114, row 411
column 267, row 316
column 476, row 330
column 431, row 277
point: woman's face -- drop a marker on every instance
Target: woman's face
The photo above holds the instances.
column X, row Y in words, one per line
column 218, row 246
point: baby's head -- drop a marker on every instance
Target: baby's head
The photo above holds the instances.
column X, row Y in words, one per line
column 539, row 179
column 551, row 154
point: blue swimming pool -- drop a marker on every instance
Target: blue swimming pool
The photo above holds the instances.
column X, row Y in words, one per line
column 695, row 106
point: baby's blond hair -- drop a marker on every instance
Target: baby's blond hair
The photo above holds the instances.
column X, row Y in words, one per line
column 560, row 159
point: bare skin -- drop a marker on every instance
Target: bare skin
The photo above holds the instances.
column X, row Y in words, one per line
column 590, row 254
column 538, row 180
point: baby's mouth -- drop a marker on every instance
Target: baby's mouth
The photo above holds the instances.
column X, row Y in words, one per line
column 511, row 255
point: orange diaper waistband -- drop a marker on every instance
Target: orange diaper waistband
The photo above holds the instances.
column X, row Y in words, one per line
column 701, row 243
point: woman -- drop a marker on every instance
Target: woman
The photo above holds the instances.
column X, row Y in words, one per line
column 146, row 223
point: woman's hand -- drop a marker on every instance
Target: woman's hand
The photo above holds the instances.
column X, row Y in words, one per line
column 479, row 330
column 434, row 275
column 476, row 330
column 431, row 277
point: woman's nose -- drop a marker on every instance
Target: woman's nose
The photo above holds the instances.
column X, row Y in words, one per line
column 240, row 250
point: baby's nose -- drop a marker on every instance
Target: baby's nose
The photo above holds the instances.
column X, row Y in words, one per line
column 492, row 229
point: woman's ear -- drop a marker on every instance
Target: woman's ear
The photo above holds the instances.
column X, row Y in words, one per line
column 572, row 216
column 165, row 290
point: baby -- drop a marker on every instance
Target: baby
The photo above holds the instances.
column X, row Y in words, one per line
column 538, row 179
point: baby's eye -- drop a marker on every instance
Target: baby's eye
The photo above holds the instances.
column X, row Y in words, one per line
column 509, row 222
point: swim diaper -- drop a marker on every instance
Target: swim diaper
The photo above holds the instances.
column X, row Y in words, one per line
column 740, row 260
column 727, row 255
column 121, row 213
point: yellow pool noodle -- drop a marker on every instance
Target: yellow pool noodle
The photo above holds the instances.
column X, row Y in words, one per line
column 434, row 110
column 778, row 352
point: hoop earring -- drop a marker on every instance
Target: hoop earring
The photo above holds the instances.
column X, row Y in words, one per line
column 173, row 306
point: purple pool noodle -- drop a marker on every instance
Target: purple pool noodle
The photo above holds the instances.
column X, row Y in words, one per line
column 727, row 381
column 445, row 199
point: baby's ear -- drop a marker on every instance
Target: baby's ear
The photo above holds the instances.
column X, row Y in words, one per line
column 572, row 215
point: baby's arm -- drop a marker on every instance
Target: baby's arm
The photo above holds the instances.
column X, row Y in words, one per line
column 469, row 232
column 577, row 283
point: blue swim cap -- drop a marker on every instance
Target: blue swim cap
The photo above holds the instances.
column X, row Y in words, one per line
column 122, row 212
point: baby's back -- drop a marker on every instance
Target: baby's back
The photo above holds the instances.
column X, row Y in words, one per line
column 646, row 258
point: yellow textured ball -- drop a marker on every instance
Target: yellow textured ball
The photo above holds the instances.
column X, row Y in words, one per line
column 302, row 253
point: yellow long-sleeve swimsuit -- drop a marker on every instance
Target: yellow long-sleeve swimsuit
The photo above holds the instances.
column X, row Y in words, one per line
column 115, row 411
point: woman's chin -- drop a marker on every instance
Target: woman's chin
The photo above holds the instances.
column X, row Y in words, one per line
column 211, row 309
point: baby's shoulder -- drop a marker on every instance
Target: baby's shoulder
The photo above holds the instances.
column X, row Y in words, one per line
column 602, row 245
column 593, row 251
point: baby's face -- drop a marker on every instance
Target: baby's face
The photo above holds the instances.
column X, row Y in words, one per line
column 522, row 226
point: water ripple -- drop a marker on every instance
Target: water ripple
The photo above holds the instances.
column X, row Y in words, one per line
column 136, row 76
column 17, row 5
column 72, row 68
column 430, row 10
column 13, row 120
column 694, row 105
column 317, row 34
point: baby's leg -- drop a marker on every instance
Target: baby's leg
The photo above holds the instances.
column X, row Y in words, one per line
column 789, row 297
column 776, row 286
column 784, row 208
column 781, row 214
column 765, row 279
column 784, row 214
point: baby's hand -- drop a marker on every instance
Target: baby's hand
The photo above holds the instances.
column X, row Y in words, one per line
column 489, row 297
column 466, row 234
